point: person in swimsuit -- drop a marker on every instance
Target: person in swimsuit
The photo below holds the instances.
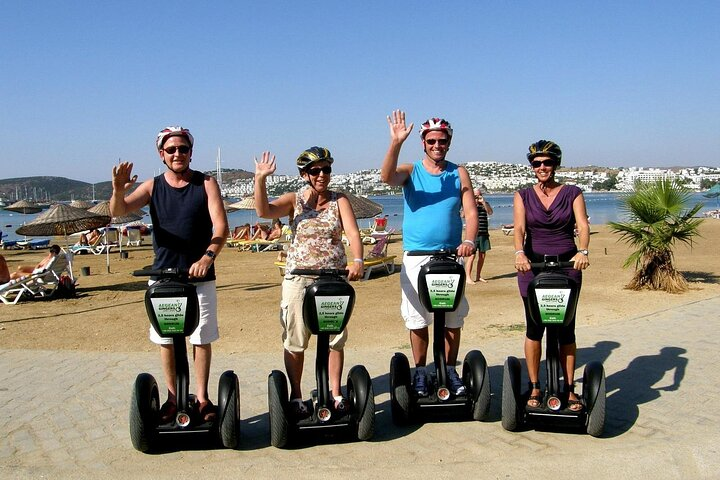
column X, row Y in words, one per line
column 545, row 216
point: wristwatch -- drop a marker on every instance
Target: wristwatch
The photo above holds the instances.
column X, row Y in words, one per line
column 584, row 252
column 211, row 254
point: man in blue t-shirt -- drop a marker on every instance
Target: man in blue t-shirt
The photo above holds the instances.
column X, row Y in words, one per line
column 434, row 192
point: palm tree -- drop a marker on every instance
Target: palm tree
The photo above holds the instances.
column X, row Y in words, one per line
column 658, row 218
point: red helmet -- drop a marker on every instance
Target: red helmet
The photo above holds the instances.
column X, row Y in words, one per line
column 173, row 131
column 436, row 125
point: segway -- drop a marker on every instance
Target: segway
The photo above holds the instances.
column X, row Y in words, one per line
column 441, row 283
column 327, row 307
column 172, row 306
column 553, row 297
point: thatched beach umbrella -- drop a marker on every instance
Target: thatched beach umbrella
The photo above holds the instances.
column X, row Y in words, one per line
column 24, row 207
column 363, row 207
column 84, row 204
column 103, row 208
column 62, row 220
column 247, row 203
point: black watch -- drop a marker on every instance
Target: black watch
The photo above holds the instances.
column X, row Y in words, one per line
column 210, row 254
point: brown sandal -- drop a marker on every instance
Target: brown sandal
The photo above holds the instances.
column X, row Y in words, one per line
column 535, row 399
column 207, row 411
column 573, row 405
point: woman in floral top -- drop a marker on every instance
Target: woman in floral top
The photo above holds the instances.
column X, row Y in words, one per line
column 319, row 217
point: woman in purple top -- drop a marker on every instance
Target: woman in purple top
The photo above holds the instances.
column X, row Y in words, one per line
column 546, row 216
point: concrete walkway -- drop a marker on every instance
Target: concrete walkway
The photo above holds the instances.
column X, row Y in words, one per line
column 65, row 416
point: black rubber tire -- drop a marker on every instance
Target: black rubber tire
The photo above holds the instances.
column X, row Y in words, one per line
column 476, row 378
column 400, row 389
column 278, row 407
column 144, row 413
column 362, row 401
column 229, row 428
column 510, row 415
column 594, row 390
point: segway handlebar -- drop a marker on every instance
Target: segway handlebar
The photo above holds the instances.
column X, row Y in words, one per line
column 434, row 253
column 551, row 264
column 176, row 273
column 322, row 272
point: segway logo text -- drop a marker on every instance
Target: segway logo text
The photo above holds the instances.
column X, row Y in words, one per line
column 331, row 311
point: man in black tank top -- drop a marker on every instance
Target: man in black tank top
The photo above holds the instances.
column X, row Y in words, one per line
column 190, row 228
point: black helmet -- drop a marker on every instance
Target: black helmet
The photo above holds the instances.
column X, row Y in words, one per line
column 313, row 155
column 545, row 148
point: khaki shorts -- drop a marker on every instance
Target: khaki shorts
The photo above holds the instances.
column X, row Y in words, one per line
column 414, row 314
column 295, row 334
column 207, row 329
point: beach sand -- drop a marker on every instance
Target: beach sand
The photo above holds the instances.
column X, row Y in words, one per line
column 109, row 314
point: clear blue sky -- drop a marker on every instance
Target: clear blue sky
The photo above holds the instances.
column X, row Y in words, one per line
column 615, row 83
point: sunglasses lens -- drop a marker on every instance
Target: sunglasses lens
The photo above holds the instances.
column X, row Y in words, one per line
column 441, row 141
column 547, row 163
column 316, row 171
column 183, row 149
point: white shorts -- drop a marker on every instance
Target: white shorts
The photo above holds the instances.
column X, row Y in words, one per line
column 207, row 329
column 414, row 314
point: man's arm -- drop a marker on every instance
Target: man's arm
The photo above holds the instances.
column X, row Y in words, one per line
column 467, row 247
column 390, row 172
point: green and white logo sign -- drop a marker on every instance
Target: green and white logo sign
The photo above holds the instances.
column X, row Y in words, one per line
column 170, row 314
column 552, row 303
column 331, row 312
column 443, row 289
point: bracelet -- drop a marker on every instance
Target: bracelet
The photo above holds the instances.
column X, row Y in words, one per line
column 358, row 260
column 470, row 242
column 518, row 252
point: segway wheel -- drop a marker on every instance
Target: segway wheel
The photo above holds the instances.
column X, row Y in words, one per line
column 594, row 395
column 362, row 400
column 477, row 379
column 229, row 406
column 400, row 389
column 278, row 407
column 144, row 413
column 511, row 394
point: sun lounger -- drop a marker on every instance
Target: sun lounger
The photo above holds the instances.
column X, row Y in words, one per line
column 39, row 284
column 34, row 244
column 508, row 229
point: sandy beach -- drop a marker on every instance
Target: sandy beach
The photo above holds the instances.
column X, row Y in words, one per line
column 109, row 315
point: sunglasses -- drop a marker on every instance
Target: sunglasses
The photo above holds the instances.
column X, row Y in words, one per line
column 440, row 141
column 183, row 149
column 316, row 171
column 547, row 163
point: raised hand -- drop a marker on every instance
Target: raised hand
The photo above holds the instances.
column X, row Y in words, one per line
column 266, row 166
column 121, row 179
column 398, row 130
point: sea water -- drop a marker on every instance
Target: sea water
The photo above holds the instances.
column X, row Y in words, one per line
column 602, row 207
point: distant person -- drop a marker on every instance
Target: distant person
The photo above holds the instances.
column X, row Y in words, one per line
column 276, row 231
column 261, row 232
column 544, row 216
column 89, row 239
column 243, row 233
column 25, row 270
column 319, row 216
column 482, row 241
column 190, row 229
column 434, row 192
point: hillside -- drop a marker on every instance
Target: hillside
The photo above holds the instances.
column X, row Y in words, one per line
column 49, row 189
